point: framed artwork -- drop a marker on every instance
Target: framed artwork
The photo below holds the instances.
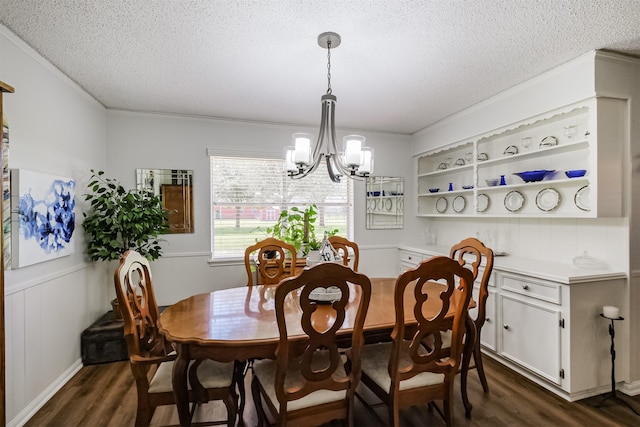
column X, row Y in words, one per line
column 43, row 217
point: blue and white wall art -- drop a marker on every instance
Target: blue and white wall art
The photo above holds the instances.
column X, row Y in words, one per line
column 43, row 217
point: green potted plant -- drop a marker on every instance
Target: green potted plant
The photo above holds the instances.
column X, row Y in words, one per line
column 121, row 219
column 297, row 227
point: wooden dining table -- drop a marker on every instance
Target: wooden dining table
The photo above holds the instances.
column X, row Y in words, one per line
column 240, row 324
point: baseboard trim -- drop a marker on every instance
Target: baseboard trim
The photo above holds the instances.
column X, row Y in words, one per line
column 630, row 389
column 35, row 405
column 571, row 397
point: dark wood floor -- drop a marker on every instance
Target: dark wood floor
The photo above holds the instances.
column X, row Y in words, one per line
column 104, row 395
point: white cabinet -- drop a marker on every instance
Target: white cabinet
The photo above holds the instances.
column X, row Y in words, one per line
column 455, row 180
column 552, row 332
column 530, row 335
column 543, row 320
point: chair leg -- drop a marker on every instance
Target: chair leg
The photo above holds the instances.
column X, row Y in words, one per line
column 469, row 346
column 231, row 402
column 257, row 401
column 394, row 413
column 145, row 412
column 239, row 373
column 447, row 411
column 477, row 359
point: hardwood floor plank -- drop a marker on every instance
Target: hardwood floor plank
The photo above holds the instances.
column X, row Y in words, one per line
column 104, row 396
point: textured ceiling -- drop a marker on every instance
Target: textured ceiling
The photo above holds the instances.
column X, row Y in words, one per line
column 402, row 64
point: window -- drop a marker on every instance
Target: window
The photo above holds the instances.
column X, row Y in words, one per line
column 248, row 194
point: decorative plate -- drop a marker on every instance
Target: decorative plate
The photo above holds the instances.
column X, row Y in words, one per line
column 482, row 157
column 458, row 204
column 459, row 162
column 387, row 204
column 513, row 201
column 379, row 204
column 582, row 198
column 441, row 205
column 548, row 141
column 483, row 202
column 511, row 150
column 547, row 199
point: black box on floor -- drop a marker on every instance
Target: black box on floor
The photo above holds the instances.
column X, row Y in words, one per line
column 103, row 341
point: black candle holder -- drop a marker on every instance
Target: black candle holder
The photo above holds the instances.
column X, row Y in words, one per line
column 612, row 395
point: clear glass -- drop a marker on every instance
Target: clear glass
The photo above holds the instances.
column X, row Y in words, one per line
column 570, row 131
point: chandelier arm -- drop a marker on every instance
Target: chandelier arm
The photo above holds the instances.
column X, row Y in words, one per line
column 337, row 161
column 318, row 149
column 332, row 175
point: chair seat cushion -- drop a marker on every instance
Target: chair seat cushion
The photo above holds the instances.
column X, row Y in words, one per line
column 265, row 370
column 211, row 374
column 375, row 364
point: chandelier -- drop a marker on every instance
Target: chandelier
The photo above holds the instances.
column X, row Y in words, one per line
column 355, row 161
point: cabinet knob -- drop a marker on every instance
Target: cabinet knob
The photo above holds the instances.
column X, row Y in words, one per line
column 505, row 326
column 487, row 319
column 525, row 287
column 410, row 258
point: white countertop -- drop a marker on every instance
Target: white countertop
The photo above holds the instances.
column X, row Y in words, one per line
column 555, row 271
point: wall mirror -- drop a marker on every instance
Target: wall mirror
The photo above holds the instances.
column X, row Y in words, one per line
column 385, row 202
column 175, row 188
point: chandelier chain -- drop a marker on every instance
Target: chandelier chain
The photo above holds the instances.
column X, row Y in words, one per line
column 329, row 67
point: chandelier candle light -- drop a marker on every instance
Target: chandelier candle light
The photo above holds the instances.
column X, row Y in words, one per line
column 355, row 161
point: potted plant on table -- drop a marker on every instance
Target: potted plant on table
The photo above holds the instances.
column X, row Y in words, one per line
column 298, row 227
column 120, row 219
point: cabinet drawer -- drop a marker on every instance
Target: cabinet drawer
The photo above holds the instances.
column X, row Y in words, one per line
column 410, row 258
column 541, row 290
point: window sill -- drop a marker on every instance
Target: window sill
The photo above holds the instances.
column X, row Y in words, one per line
column 221, row 262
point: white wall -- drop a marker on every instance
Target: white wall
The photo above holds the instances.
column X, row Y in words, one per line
column 55, row 128
column 140, row 140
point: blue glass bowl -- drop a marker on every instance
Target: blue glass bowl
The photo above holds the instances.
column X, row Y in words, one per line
column 434, row 190
column 577, row 173
column 533, row 176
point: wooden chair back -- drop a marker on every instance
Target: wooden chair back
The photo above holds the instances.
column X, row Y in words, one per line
column 409, row 357
column 316, row 356
column 275, row 260
column 342, row 245
column 473, row 254
column 137, row 302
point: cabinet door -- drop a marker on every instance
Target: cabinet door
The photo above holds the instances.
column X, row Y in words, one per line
column 531, row 336
column 488, row 334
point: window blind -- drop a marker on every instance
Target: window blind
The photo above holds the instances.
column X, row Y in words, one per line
column 248, row 194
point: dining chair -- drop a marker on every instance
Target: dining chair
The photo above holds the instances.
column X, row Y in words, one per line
column 307, row 383
column 473, row 254
column 271, row 261
column 404, row 372
column 151, row 356
column 342, row 246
